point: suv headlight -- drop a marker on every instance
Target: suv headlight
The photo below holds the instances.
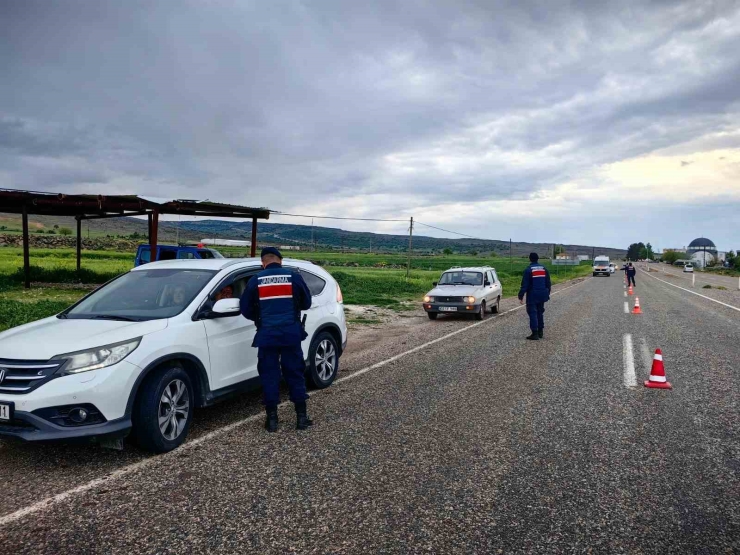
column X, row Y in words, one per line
column 99, row 357
column 428, row 299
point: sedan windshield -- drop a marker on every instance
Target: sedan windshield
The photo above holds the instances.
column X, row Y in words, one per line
column 143, row 295
column 461, row 278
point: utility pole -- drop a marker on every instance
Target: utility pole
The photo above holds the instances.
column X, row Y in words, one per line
column 511, row 267
column 411, row 235
column 313, row 241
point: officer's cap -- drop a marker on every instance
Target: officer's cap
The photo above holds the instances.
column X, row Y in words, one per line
column 271, row 250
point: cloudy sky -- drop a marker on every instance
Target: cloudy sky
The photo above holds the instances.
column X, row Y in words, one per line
column 575, row 122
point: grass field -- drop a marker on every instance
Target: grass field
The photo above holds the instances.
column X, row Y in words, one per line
column 367, row 279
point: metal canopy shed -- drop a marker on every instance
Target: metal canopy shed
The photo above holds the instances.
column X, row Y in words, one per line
column 93, row 207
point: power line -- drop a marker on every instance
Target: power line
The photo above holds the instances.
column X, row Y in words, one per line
column 337, row 217
column 457, row 232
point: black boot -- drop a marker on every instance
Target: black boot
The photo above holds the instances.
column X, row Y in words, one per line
column 534, row 336
column 271, row 422
column 541, row 333
column 302, row 419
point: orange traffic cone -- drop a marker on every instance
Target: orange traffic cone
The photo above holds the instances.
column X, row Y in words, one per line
column 630, row 291
column 637, row 310
column 657, row 373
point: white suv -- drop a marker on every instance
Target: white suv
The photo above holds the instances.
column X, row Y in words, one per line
column 139, row 353
column 464, row 291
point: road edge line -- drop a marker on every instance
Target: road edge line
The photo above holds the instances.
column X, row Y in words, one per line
column 692, row 292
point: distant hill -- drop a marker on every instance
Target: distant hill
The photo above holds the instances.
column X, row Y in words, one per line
column 298, row 235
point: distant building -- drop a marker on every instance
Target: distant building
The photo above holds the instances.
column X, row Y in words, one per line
column 562, row 256
column 226, row 242
column 583, row 257
column 702, row 252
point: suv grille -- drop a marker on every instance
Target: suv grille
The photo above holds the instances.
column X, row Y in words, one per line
column 448, row 299
column 22, row 376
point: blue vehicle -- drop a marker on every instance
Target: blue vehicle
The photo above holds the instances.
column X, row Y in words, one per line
column 173, row 252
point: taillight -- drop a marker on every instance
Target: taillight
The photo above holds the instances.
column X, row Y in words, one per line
column 340, row 299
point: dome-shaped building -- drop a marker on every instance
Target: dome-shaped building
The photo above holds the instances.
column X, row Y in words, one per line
column 700, row 245
column 702, row 252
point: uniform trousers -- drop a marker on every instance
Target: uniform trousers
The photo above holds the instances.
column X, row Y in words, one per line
column 536, row 313
column 290, row 359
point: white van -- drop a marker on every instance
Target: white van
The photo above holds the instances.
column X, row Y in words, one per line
column 601, row 266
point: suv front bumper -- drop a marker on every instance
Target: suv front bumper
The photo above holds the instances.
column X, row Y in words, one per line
column 29, row 427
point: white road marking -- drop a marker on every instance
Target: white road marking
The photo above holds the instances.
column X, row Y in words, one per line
column 625, row 294
column 647, row 357
column 630, row 380
column 626, row 308
column 694, row 293
column 126, row 470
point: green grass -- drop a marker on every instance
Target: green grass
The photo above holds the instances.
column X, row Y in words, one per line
column 365, row 279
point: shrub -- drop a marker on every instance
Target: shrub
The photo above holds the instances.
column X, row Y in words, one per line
column 707, row 286
column 65, row 231
column 51, row 232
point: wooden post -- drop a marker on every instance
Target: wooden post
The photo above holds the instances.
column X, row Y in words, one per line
column 26, row 261
column 411, row 237
column 153, row 237
column 79, row 242
column 253, row 251
column 149, row 228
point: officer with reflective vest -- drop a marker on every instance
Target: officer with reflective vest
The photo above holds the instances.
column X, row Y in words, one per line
column 536, row 286
column 274, row 299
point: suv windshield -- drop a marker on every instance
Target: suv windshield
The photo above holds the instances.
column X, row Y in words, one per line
column 461, row 278
column 143, row 295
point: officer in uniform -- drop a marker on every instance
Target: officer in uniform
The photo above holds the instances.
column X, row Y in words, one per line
column 631, row 273
column 273, row 299
column 536, row 286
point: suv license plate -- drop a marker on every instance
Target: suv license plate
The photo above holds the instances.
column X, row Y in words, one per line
column 448, row 308
column 6, row 412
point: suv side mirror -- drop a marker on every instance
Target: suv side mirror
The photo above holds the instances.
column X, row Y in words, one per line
column 434, row 283
column 225, row 308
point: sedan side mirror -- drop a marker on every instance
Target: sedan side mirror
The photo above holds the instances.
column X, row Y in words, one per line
column 434, row 283
column 225, row 308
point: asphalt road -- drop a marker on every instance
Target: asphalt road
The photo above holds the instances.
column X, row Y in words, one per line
column 477, row 442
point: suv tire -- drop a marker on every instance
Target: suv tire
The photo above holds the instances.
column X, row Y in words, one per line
column 482, row 312
column 432, row 315
column 165, row 395
column 323, row 360
column 496, row 308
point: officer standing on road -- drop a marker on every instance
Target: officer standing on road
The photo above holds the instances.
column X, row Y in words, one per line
column 536, row 285
column 631, row 272
column 274, row 299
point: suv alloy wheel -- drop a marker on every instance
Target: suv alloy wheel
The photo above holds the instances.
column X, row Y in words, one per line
column 163, row 410
column 323, row 360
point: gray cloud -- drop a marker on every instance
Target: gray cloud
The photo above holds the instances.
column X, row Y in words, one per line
column 285, row 103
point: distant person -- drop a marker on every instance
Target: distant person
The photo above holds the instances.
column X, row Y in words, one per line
column 274, row 299
column 631, row 272
column 536, row 286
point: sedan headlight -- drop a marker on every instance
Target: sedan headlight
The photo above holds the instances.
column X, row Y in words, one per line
column 469, row 300
column 99, row 357
column 428, row 299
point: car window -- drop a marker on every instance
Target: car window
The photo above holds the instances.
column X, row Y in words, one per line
column 146, row 256
column 461, row 278
column 167, row 254
column 185, row 255
column 495, row 277
column 208, row 253
column 143, row 295
column 315, row 283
